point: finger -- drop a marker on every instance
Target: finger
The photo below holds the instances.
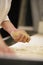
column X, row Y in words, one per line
column 9, row 52
column 24, row 39
column 17, row 39
column 28, row 39
column 12, row 52
column 21, row 38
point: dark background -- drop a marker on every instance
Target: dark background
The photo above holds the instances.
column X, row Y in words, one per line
column 28, row 19
column 14, row 12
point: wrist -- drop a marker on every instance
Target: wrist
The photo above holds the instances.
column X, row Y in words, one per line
column 13, row 32
column 8, row 26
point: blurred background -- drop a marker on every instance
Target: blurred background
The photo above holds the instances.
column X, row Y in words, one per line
column 26, row 15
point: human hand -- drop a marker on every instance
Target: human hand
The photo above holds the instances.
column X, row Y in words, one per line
column 20, row 36
column 5, row 50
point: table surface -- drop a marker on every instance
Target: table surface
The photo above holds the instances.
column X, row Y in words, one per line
column 32, row 50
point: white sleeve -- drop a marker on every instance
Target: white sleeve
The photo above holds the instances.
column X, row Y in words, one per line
column 6, row 18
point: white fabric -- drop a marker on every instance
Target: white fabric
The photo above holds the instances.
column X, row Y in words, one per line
column 4, row 9
column 6, row 18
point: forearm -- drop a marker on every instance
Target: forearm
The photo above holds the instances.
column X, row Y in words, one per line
column 8, row 26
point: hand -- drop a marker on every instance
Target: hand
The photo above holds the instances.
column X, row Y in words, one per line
column 20, row 36
column 5, row 50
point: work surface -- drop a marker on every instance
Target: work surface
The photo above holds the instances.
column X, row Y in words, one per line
column 32, row 50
